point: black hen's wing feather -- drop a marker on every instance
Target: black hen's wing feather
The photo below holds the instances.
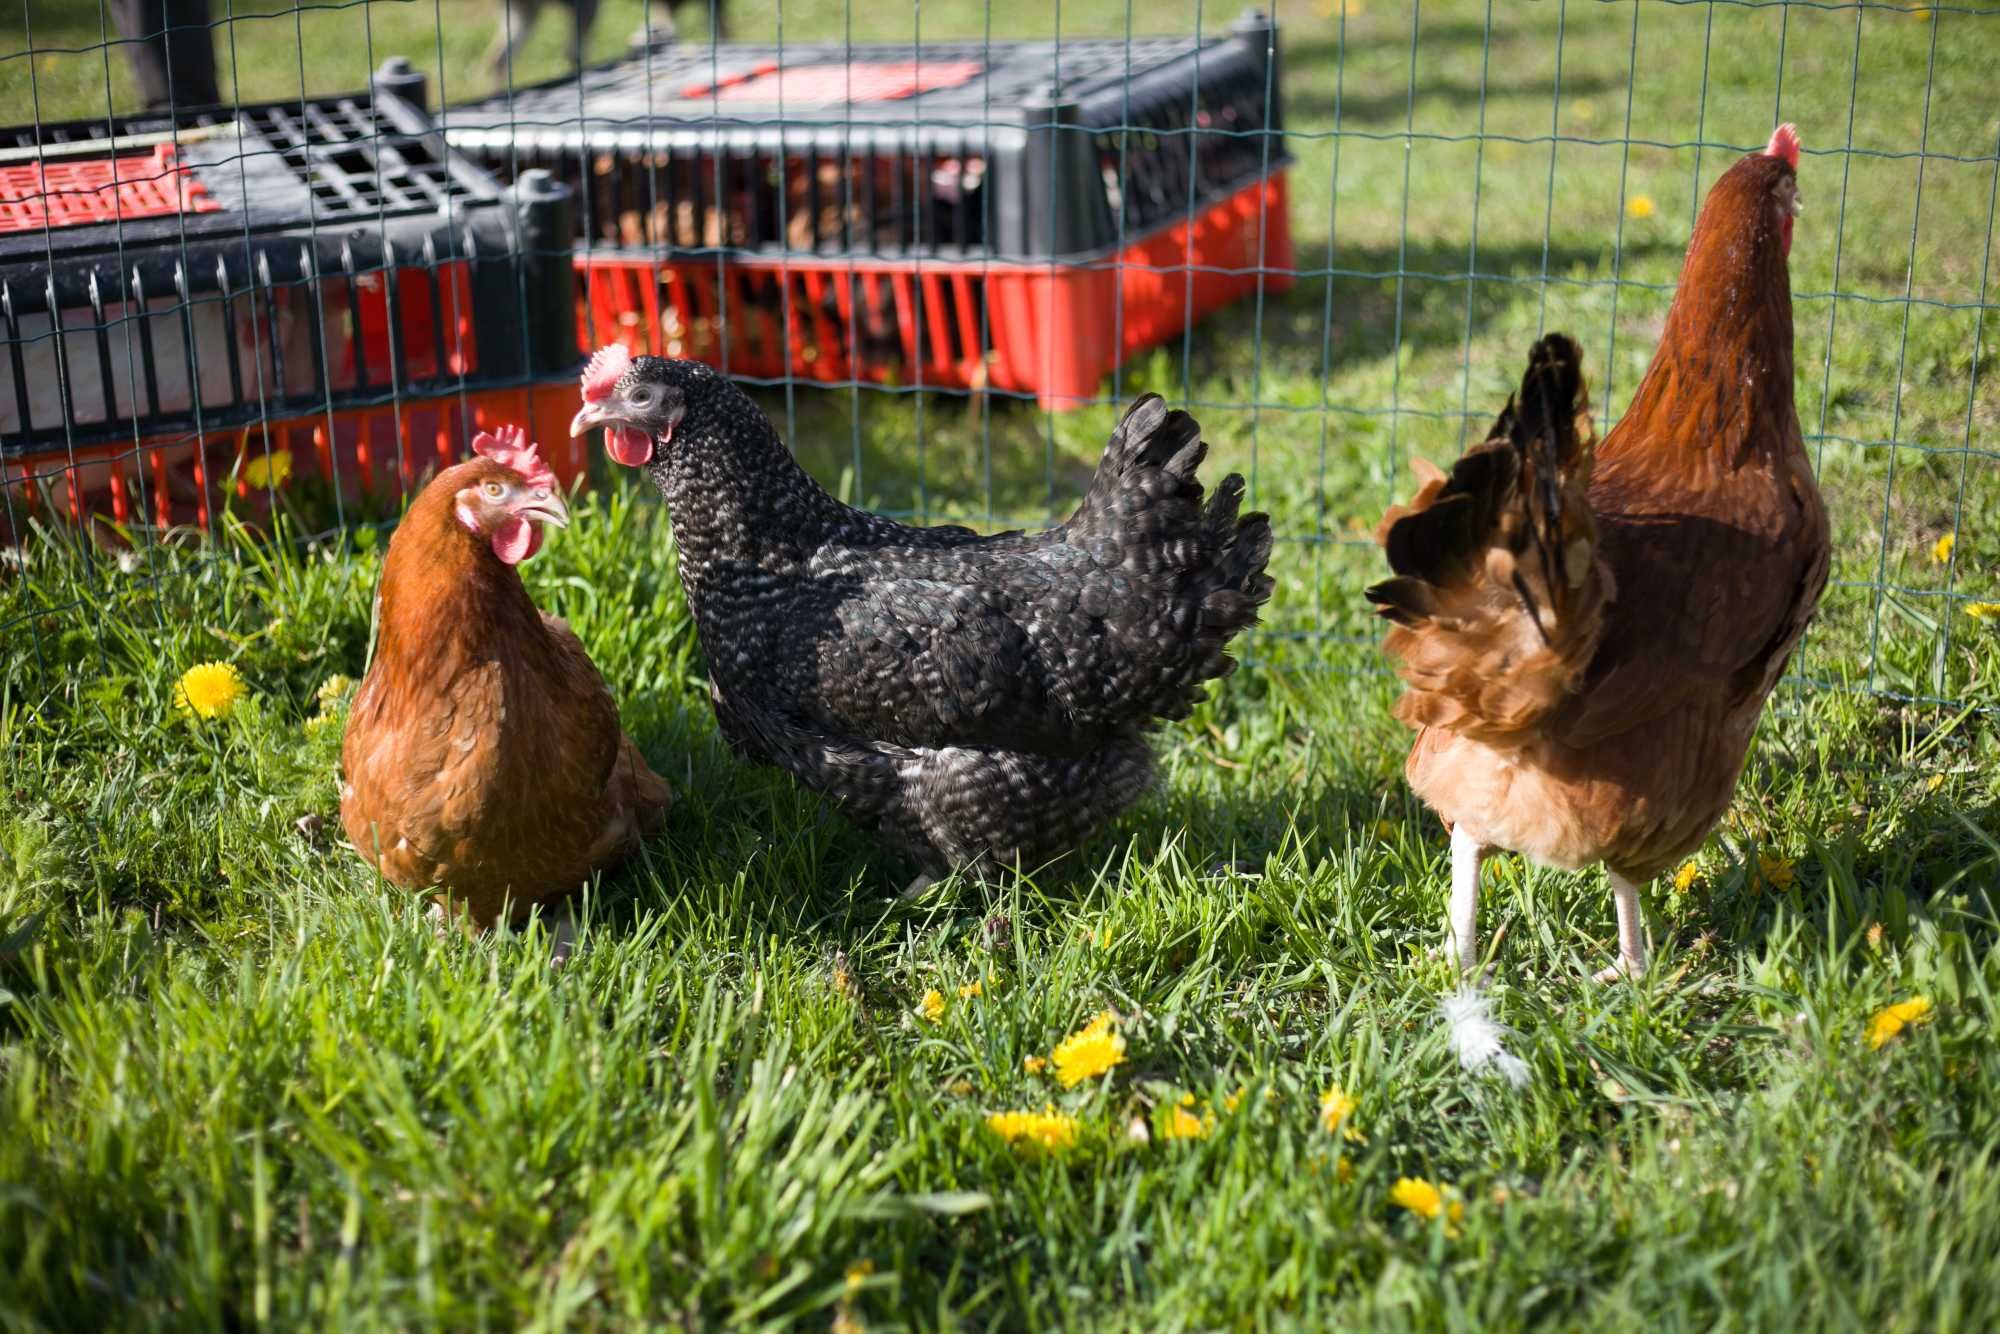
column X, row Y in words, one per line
column 1050, row 642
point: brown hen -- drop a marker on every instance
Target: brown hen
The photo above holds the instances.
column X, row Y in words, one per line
column 483, row 756
column 1589, row 631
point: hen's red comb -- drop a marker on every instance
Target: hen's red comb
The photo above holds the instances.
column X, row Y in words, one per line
column 1785, row 144
column 602, row 373
column 512, row 449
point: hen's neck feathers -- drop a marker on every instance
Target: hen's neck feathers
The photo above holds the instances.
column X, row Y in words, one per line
column 735, row 493
column 445, row 595
column 1719, row 392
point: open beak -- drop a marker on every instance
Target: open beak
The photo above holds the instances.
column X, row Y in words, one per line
column 548, row 509
column 624, row 442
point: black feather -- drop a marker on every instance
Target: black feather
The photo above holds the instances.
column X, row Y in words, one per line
column 971, row 698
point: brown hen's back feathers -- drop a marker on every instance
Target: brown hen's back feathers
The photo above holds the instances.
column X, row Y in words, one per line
column 483, row 753
column 1588, row 650
column 1499, row 594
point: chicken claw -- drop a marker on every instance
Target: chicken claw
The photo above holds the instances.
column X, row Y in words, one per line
column 562, row 936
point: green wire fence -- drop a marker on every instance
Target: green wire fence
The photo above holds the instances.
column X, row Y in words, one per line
column 1458, row 178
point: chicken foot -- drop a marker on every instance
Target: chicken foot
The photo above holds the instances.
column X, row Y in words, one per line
column 562, row 935
column 561, row 928
column 979, row 871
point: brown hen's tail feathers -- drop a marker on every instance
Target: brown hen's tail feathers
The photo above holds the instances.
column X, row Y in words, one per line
column 1498, row 596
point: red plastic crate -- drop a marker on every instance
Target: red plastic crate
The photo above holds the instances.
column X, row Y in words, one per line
column 1054, row 328
column 94, row 190
column 1019, row 215
column 381, row 450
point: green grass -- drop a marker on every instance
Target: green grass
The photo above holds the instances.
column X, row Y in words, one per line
column 242, row 1082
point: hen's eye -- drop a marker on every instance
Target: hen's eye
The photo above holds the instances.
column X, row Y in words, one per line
column 494, row 490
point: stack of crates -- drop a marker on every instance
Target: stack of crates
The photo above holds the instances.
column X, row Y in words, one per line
column 323, row 278
column 1019, row 216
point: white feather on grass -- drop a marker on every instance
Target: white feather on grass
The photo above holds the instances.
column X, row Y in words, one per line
column 1479, row 1040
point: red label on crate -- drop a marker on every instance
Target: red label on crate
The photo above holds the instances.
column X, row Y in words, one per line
column 823, row 85
column 91, row 190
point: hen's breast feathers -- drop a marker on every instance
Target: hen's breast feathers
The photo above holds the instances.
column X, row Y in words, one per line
column 494, row 769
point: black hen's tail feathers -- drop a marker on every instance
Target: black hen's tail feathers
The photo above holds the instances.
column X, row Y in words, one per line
column 1146, row 514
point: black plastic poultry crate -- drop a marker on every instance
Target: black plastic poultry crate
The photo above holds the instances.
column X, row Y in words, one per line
column 943, row 215
column 165, row 281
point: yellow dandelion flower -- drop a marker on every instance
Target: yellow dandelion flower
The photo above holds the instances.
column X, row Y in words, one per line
column 1343, row 1170
column 1034, row 1065
column 1640, row 206
column 208, row 690
column 1424, row 1200
column 1384, row 830
column 1941, row 550
column 1335, row 1109
column 858, row 1273
column 1088, row 1052
column 1231, row 1101
column 931, row 1006
column 1775, row 870
column 1184, row 1124
column 273, row 469
column 1983, row 611
column 968, row 991
column 1048, row 1128
column 1888, row 1023
column 1684, row 878
column 332, row 690
column 1104, row 937
column 1934, row 782
column 318, row 723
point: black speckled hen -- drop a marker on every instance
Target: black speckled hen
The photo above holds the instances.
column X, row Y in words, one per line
column 977, row 701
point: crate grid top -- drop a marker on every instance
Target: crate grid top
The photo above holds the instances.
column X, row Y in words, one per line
column 261, row 167
column 1005, row 150
column 303, row 254
column 946, row 85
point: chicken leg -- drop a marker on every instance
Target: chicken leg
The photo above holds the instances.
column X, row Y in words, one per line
column 1631, row 933
column 1461, row 926
column 562, row 935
